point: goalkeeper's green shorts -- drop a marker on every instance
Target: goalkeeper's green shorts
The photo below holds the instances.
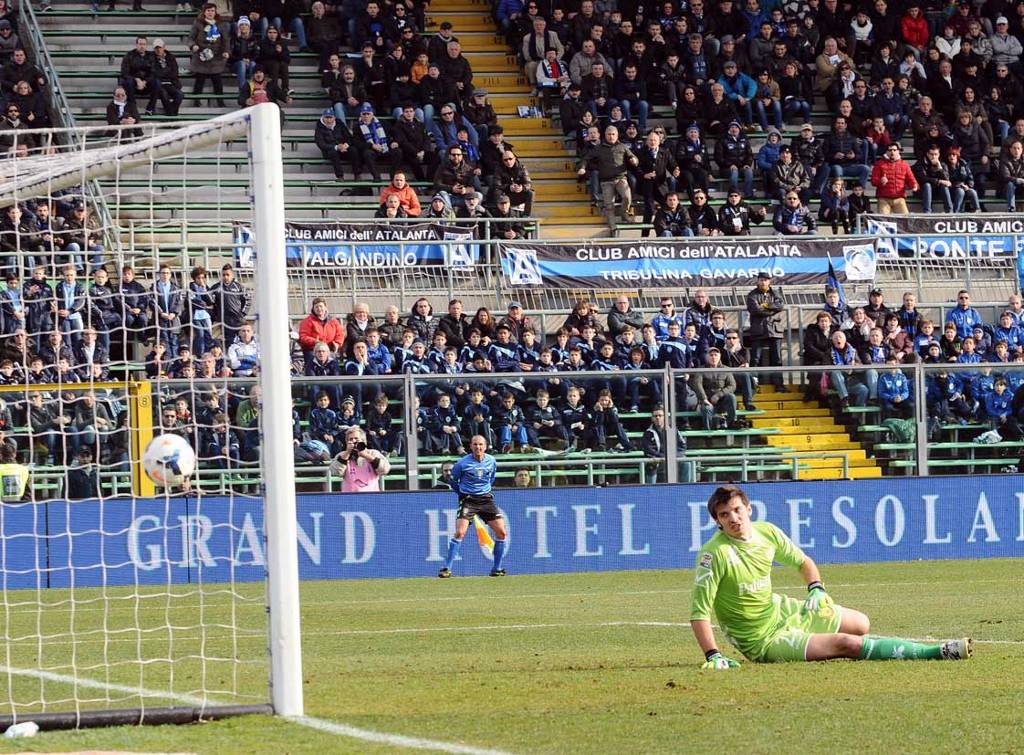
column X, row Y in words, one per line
column 789, row 643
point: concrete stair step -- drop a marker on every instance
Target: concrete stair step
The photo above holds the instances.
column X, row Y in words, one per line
column 773, row 413
column 557, row 191
column 565, row 227
column 856, row 459
column 771, row 391
column 104, row 66
column 836, row 473
column 807, row 424
column 529, row 127
column 832, row 432
column 493, row 81
column 483, row 58
column 302, row 62
column 576, row 211
column 554, row 230
column 782, row 404
column 813, row 442
column 103, row 41
column 467, row 19
column 441, row 13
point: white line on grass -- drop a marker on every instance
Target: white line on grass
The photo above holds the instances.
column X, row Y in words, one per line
column 395, row 740
column 79, row 681
column 526, row 627
column 261, row 637
column 596, row 593
column 319, row 724
column 500, row 627
column 104, row 605
column 78, row 641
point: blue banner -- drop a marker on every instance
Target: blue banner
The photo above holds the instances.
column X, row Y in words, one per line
column 382, row 247
column 946, row 236
column 177, row 540
column 705, row 262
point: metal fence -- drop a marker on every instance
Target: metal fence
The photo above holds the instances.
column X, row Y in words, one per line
column 738, row 453
column 925, row 275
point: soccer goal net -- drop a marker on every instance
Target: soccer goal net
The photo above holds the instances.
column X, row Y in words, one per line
column 125, row 315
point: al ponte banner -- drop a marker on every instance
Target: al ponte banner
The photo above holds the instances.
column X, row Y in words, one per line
column 946, row 236
column 685, row 262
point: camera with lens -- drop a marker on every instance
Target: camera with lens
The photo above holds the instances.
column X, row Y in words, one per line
column 357, row 449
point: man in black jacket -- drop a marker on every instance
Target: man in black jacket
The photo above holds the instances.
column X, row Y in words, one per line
column 454, row 324
column 135, row 306
column 137, row 70
column 492, row 153
column 570, row 109
column 334, row 141
column 121, row 111
column 672, row 220
column 765, row 307
column 511, row 230
column 809, row 150
column 231, row 303
column 167, row 80
column 455, row 67
column 657, row 170
column 734, row 157
column 418, row 152
column 653, row 444
column 20, row 69
column 843, row 152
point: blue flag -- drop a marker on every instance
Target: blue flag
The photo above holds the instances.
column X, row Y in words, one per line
column 833, row 282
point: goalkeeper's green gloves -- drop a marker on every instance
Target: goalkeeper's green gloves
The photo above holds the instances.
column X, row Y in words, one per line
column 715, row 661
column 816, row 598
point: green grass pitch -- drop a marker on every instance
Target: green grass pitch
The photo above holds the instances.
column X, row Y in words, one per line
column 573, row 663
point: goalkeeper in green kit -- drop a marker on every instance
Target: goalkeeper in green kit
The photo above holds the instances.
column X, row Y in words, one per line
column 733, row 581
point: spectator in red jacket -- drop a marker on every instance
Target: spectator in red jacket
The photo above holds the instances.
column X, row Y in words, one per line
column 914, row 27
column 321, row 326
column 892, row 179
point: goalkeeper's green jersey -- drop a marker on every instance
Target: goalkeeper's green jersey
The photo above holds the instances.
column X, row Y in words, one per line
column 734, row 581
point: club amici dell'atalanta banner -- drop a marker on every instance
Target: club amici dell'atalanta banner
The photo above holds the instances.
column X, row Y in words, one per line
column 370, row 245
column 685, row 262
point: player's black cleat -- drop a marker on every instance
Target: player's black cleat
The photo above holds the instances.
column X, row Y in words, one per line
column 445, row 572
column 497, row 572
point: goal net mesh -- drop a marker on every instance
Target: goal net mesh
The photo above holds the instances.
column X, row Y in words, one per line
column 116, row 594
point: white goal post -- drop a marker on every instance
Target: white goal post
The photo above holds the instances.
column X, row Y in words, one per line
column 101, row 664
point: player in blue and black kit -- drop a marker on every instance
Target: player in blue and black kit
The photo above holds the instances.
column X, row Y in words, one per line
column 472, row 479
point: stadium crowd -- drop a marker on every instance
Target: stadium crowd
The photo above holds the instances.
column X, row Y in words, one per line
column 881, row 339
column 543, row 405
column 567, row 390
column 435, row 125
column 923, row 99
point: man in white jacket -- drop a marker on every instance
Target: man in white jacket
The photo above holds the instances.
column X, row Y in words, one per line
column 1006, row 48
column 244, row 353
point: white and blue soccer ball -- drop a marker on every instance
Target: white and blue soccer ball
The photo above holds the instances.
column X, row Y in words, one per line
column 169, row 460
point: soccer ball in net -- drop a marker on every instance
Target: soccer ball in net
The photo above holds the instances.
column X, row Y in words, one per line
column 169, row 459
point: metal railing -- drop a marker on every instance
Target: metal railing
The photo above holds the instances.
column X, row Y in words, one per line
column 785, row 448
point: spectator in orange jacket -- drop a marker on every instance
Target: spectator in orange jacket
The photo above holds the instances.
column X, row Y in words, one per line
column 892, row 178
column 405, row 193
column 320, row 326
